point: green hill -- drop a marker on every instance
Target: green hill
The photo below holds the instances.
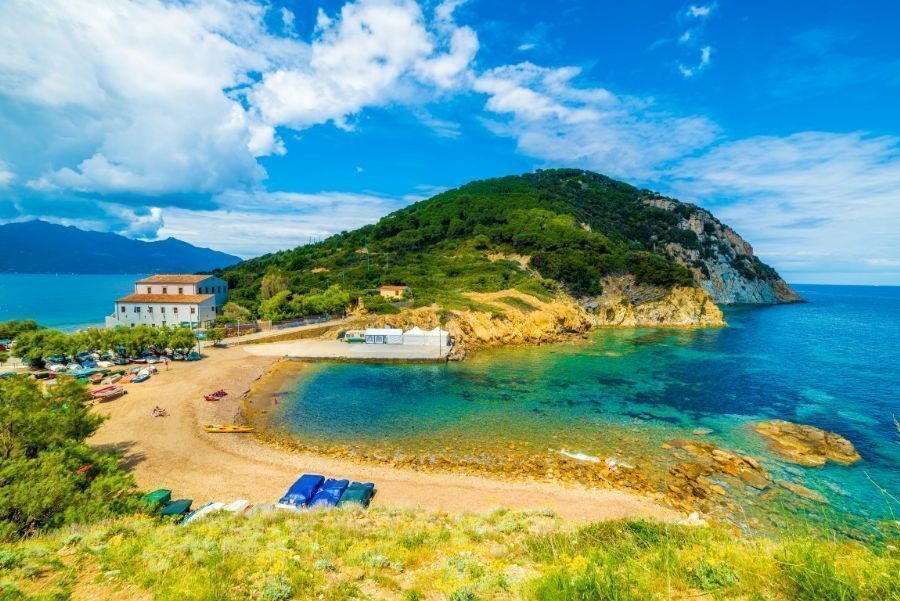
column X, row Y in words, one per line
column 561, row 230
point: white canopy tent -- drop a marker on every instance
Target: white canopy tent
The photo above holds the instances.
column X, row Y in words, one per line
column 414, row 336
column 437, row 336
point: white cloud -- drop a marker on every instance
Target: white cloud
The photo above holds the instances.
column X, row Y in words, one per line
column 685, row 37
column 6, row 175
column 702, row 64
column 375, row 53
column 699, row 11
column 145, row 97
column 251, row 224
column 833, row 196
column 128, row 96
column 287, row 21
column 526, row 47
column 553, row 119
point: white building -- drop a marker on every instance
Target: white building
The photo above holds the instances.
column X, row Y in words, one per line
column 171, row 300
column 384, row 336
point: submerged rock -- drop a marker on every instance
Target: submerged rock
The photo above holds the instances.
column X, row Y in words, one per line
column 806, row 445
column 801, row 491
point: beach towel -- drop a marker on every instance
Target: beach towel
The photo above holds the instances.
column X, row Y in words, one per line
column 301, row 491
column 330, row 493
column 358, row 492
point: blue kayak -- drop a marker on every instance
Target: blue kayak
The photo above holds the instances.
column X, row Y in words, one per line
column 330, row 493
column 302, row 491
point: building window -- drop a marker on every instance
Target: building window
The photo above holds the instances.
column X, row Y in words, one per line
column 214, row 309
column 181, row 291
column 193, row 310
column 123, row 308
column 165, row 290
column 137, row 309
column 175, row 310
column 149, row 309
column 149, row 290
column 162, row 309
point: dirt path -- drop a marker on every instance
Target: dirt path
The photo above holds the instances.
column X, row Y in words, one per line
column 174, row 452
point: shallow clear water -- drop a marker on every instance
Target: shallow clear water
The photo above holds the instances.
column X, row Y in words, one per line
column 833, row 363
column 64, row 301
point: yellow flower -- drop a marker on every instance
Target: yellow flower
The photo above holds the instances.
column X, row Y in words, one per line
column 578, row 564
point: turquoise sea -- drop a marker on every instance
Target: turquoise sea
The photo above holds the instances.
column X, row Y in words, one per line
column 65, row 301
column 833, row 362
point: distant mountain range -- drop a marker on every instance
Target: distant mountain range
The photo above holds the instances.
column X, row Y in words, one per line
column 41, row 247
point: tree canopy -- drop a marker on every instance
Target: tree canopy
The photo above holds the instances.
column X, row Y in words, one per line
column 49, row 477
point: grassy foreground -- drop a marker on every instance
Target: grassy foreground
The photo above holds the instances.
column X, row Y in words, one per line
column 392, row 554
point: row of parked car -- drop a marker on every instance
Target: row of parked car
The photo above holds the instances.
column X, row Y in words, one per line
column 61, row 363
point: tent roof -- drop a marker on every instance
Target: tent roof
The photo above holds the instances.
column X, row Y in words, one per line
column 415, row 331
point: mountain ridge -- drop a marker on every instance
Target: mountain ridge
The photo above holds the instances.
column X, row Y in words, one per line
column 41, row 247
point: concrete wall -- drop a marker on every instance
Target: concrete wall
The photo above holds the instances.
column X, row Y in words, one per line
column 159, row 314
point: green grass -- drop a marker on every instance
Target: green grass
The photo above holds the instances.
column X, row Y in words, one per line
column 391, row 554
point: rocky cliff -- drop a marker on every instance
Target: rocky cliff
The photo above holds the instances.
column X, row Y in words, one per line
column 624, row 303
column 722, row 262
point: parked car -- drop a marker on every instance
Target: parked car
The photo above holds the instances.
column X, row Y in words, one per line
column 89, row 364
column 57, row 367
column 193, row 356
column 178, row 356
column 119, row 360
column 73, row 366
column 153, row 359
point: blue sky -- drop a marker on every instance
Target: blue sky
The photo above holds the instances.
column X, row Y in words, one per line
column 252, row 127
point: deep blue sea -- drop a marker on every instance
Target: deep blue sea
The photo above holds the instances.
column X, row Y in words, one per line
column 833, row 362
column 66, row 301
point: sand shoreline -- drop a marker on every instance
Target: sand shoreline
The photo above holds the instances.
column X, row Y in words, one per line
column 173, row 452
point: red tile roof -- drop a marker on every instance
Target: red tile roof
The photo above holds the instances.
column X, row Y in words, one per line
column 165, row 298
column 175, row 278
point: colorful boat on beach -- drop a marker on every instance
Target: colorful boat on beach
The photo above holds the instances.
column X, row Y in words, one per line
column 330, row 493
column 359, row 493
column 227, row 429
column 301, row 492
column 108, row 393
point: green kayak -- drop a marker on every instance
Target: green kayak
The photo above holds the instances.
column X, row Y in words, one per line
column 360, row 493
column 176, row 508
column 158, row 497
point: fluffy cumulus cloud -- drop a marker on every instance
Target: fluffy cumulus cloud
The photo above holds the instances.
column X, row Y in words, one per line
column 146, row 102
column 374, row 53
column 816, row 203
column 554, row 119
column 128, row 97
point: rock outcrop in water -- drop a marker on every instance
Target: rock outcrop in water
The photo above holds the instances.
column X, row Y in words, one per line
column 806, row 445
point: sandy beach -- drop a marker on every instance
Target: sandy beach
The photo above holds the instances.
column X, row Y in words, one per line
column 174, row 452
